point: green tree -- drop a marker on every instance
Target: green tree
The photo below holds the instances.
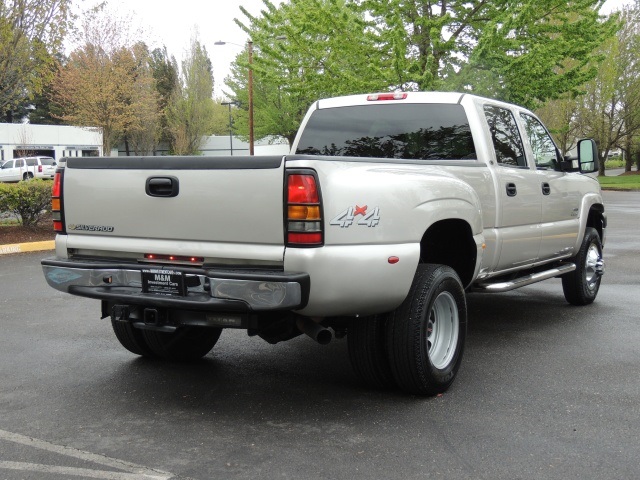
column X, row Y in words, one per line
column 524, row 51
column 303, row 50
column 560, row 115
column 609, row 111
column 31, row 33
column 537, row 50
column 142, row 133
column 165, row 73
column 427, row 43
column 629, row 38
column 107, row 84
column 190, row 109
column 220, row 118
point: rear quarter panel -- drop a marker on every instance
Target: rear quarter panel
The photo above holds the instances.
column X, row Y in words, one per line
column 393, row 204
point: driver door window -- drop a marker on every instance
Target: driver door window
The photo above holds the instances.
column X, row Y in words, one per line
column 545, row 153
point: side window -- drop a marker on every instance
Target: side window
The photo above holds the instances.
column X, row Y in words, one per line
column 31, row 162
column 19, row 163
column 505, row 136
column 545, row 152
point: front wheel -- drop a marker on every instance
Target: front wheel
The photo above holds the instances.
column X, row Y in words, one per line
column 581, row 286
column 426, row 334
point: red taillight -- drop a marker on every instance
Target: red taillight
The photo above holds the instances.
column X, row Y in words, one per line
column 387, row 96
column 56, row 190
column 303, row 189
column 56, row 203
column 305, row 238
column 39, row 168
column 303, row 210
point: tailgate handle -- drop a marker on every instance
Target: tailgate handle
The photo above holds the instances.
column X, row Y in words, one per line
column 162, row 187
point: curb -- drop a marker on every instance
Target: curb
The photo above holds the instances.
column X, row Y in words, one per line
column 27, row 247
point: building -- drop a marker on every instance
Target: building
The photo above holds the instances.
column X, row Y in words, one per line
column 57, row 141
column 223, row 145
column 214, row 146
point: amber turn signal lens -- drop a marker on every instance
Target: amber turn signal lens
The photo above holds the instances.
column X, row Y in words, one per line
column 301, row 212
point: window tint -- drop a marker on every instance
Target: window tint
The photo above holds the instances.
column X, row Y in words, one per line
column 19, row 163
column 545, row 152
column 46, row 161
column 410, row 131
column 505, row 135
column 7, row 164
column 31, row 162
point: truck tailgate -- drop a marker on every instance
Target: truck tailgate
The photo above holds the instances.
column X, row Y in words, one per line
column 222, row 207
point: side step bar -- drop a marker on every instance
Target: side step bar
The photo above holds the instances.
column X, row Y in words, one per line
column 498, row 287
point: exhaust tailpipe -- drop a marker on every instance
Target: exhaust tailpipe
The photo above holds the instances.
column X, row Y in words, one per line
column 312, row 329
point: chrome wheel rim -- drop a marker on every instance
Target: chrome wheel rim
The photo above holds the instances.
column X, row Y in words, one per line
column 443, row 327
column 591, row 266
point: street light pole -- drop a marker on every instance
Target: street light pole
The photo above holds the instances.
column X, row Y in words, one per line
column 250, row 51
column 250, row 86
column 230, row 125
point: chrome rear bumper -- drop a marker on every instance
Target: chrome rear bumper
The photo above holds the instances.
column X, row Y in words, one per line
column 208, row 289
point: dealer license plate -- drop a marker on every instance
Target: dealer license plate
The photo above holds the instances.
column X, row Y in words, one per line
column 163, row 282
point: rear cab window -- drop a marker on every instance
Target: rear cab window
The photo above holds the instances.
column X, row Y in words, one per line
column 408, row 131
column 505, row 136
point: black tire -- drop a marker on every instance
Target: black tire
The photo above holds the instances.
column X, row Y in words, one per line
column 426, row 334
column 185, row 344
column 581, row 286
column 131, row 338
column 366, row 341
column 27, row 176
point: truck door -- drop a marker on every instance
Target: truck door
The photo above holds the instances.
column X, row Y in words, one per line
column 519, row 196
column 561, row 195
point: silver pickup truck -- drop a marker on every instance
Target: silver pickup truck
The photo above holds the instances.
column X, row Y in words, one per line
column 389, row 208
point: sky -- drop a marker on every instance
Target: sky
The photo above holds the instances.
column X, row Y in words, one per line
column 173, row 23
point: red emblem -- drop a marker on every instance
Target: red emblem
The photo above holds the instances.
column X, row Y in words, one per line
column 360, row 211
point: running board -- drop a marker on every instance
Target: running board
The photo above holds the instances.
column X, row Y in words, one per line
column 499, row 287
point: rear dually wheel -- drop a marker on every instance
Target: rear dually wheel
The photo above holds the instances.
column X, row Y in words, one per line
column 427, row 332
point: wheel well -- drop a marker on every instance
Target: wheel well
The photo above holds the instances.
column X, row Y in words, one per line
column 596, row 219
column 450, row 242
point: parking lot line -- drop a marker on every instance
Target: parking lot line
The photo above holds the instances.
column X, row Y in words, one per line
column 131, row 470
column 77, row 472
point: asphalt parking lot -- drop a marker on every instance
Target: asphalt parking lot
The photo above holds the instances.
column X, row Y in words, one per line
column 546, row 391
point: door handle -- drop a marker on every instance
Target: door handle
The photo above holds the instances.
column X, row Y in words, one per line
column 162, row 187
column 512, row 191
column 546, row 189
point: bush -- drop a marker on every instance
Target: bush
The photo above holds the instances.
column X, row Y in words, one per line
column 615, row 162
column 29, row 200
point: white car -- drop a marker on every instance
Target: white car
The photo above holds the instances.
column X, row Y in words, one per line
column 27, row 168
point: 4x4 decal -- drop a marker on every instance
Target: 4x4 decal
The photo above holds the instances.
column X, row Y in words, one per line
column 346, row 218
